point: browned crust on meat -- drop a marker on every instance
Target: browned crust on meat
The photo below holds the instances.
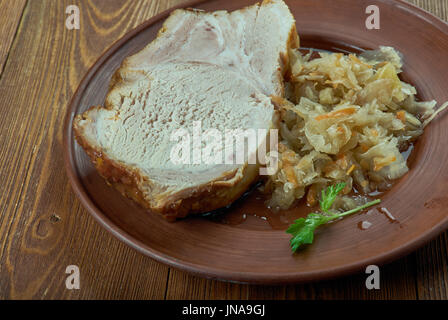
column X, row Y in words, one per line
column 210, row 196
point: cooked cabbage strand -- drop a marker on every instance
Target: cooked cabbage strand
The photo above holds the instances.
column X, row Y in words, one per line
column 347, row 119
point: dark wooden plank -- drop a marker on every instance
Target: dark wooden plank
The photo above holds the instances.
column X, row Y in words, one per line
column 10, row 15
column 43, row 229
column 432, row 260
column 185, row 286
column 436, row 7
column 432, row 269
column 397, row 282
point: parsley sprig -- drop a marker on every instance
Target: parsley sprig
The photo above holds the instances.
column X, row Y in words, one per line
column 302, row 230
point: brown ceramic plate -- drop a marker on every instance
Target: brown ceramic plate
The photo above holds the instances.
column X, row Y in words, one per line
column 251, row 250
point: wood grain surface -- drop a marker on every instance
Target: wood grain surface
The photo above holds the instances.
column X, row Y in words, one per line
column 11, row 13
column 43, row 228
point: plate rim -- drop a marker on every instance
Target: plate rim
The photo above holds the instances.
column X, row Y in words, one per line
column 208, row 272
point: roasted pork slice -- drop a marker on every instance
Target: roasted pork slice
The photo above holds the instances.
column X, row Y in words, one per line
column 253, row 41
column 205, row 73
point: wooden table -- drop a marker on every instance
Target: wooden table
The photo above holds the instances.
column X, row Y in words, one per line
column 43, row 227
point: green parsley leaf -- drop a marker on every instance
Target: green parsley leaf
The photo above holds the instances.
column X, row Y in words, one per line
column 302, row 230
column 329, row 195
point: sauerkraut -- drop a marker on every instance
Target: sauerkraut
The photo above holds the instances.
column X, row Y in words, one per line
column 347, row 118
